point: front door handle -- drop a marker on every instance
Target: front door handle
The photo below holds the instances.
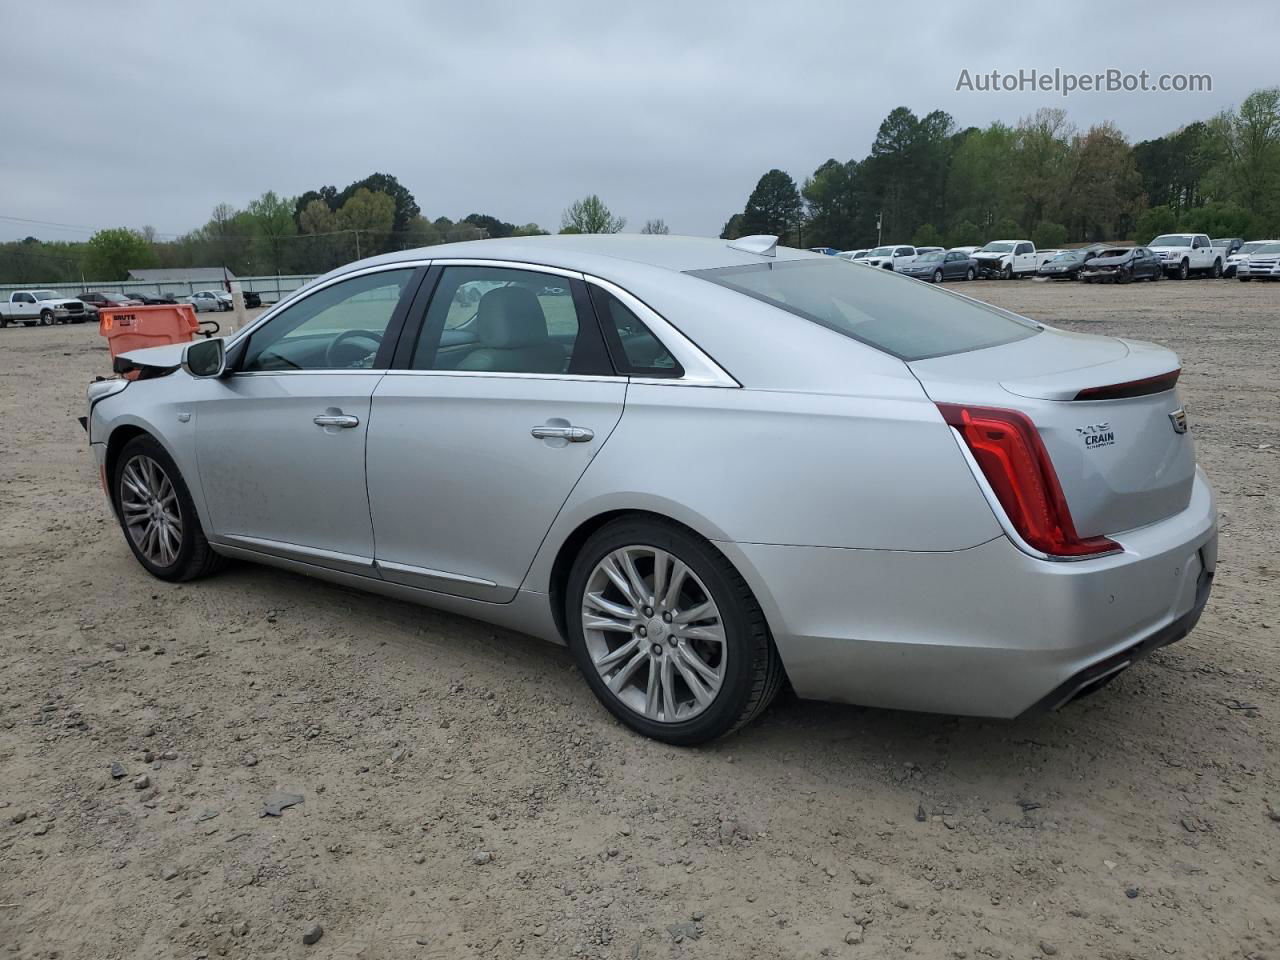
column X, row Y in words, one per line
column 336, row 420
column 572, row 434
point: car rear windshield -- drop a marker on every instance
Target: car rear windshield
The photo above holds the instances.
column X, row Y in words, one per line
column 893, row 313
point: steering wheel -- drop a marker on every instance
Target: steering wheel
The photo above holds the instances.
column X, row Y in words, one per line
column 331, row 351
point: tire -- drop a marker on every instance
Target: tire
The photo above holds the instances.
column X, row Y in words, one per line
column 1184, row 270
column 46, row 318
column 937, row 276
column 750, row 672
column 193, row 557
column 4, row 322
column 1243, row 279
column 1124, row 276
column 1217, row 269
column 1157, row 274
column 968, row 274
column 1006, row 272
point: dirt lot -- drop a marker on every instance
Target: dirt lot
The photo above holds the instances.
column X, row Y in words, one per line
column 465, row 796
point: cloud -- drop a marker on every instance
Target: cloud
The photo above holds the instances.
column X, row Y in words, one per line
column 152, row 113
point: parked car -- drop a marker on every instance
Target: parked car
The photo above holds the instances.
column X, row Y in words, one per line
column 829, row 251
column 1261, row 264
column 1228, row 246
column 926, row 453
column 939, row 265
column 969, row 250
column 1008, row 259
column 922, row 250
column 204, row 300
column 853, row 254
column 1066, row 264
column 889, row 257
column 1123, row 265
column 157, row 299
column 100, row 299
column 45, row 307
column 1186, row 253
column 1245, row 249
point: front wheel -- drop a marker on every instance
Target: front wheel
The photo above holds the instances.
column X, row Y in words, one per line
column 968, row 274
column 937, row 276
column 1124, row 276
column 1007, row 272
column 667, row 633
column 157, row 514
column 1184, row 270
column 46, row 318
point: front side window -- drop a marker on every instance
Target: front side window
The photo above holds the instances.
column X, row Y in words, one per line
column 503, row 320
column 908, row 320
column 337, row 328
column 1024, row 248
column 635, row 349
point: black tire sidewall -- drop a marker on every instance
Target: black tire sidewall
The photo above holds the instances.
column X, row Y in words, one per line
column 709, row 566
column 182, row 564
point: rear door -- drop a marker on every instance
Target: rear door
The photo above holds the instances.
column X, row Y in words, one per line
column 495, row 409
column 280, row 442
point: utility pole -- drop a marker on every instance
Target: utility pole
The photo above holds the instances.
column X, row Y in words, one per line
column 357, row 233
column 879, row 219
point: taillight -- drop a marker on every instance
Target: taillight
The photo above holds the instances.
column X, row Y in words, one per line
column 1008, row 449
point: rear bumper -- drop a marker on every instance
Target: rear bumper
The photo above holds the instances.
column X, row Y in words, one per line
column 988, row 631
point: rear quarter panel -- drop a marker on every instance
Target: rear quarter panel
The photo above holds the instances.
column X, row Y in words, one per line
column 861, row 472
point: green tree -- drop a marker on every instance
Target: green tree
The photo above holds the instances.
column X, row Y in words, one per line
column 732, row 228
column 1041, row 162
column 1247, row 147
column 492, row 226
column 405, row 207
column 111, row 254
column 966, row 233
column 981, row 178
column 1154, row 221
column 1049, row 235
column 836, row 204
column 529, row 230
column 1105, row 188
column 658, row 226
column 273, row 223
column 927, row 236
column 590, row 215
column 369, row 216
column 774, row 207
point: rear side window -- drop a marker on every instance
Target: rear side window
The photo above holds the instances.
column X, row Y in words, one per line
column 909, row 320
column 634, row 348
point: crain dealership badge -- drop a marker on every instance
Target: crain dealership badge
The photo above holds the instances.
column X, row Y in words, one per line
column 1097, row 435
column 1179, row 420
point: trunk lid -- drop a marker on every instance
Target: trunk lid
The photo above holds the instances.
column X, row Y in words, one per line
column 1117, row 453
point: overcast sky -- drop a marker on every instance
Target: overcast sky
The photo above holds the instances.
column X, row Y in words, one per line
column 129, row 113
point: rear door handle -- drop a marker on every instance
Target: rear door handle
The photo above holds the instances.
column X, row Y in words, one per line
column 572, row 434
column 336, row 420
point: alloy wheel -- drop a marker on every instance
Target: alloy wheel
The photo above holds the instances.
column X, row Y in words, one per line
column 152, row 516
column 654, row 633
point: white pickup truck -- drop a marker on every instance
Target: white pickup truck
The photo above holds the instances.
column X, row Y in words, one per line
column 1186, row 253
column 45, row 307
column 1010, row 259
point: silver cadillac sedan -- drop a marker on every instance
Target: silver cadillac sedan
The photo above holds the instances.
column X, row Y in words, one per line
column 710, row 467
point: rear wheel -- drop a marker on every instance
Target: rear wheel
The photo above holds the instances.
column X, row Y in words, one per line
column 667, row 633
column 157, row 514
column 1217, row 269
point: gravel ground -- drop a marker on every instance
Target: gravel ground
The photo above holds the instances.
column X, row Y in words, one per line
column 462, row 794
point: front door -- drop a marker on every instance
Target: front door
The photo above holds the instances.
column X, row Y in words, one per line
column 280, row 442
column 473, row 451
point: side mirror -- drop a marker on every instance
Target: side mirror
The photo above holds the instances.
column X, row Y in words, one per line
column 205, row 359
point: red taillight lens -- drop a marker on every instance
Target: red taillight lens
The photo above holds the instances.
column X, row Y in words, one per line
column 1008, row 448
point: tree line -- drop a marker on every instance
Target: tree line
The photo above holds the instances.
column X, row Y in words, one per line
column 929, row 183
column 311, row 233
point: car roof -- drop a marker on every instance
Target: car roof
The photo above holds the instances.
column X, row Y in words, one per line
column 608, row 252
